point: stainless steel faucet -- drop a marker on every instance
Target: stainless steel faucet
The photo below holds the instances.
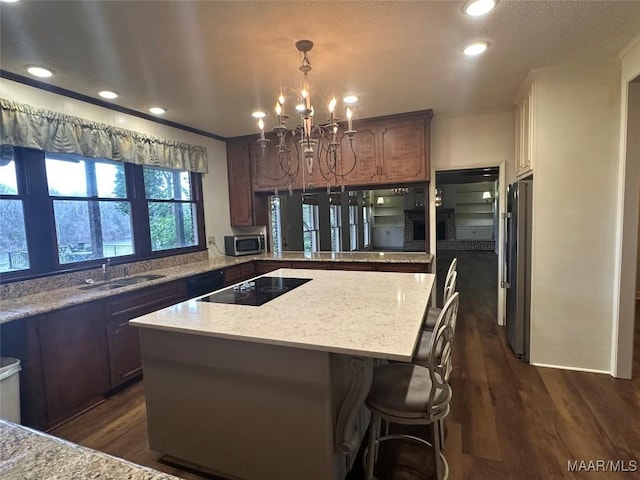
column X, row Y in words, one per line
column 106, row 270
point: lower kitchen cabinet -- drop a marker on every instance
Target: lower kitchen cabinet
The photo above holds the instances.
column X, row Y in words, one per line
column 75, row 366
column 238, row 273
column 125, row 361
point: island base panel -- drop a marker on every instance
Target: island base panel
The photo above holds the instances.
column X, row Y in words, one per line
column 243, row 410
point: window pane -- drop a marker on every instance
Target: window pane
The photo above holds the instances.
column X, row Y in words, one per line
column 75, row 176
column 172, row 225
column 13, row 239
column 8, row 180
column 165, row 184
column 88, row 230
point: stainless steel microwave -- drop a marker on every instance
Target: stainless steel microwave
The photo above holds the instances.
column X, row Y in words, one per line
column 236, row 245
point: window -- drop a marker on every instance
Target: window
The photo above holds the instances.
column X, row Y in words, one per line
column 335, row 220
column 353, row 227
column 172, row 215
column 310, row 227
column 14, row 254
column 366, row 226
column 69, row 212
column 276, row 214
column 91, row 211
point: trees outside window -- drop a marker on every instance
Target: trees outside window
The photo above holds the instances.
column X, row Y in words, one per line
column 14, row 254
column 62, row 211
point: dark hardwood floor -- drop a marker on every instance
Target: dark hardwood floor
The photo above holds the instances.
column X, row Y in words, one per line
column 509, row 420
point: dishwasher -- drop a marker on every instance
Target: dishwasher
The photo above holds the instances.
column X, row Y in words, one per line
column 205, row 283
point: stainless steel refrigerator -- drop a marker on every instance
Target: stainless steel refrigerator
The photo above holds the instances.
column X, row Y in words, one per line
column 517, row 266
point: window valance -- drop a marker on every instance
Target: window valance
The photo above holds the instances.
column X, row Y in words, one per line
column 31, row 127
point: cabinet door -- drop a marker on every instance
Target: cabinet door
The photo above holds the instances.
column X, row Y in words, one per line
column 403, row 149
column 124, row 351
column 365, row 148
column 267, row 174
column 240, row 192
column 238, row 273
column 266, row 266
column 125, row 360
column 74, row 359
column 525, row 134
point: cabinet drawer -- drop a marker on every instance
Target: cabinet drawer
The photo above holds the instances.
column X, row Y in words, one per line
column 354, row 266
column 312, row 265
column 147, row 300
column 238, row 273
column 403, row 267
column 269, row 266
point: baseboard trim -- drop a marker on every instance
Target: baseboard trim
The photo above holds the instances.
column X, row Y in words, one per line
column 575, row 369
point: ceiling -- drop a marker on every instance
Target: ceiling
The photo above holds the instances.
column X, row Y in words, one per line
column 211, row 63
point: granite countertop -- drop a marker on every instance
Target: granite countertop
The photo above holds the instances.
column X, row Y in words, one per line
column 27, row 454
column 372, row 314
column 57, row 298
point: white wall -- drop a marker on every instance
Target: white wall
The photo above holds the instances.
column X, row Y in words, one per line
column 214, row 183
column 627, row 227
column 475, row 140
column 574, row 220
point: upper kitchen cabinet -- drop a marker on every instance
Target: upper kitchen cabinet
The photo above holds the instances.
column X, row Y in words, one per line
column 389, row 150
column 525, row 130
column 267, row 173
column 239, row 175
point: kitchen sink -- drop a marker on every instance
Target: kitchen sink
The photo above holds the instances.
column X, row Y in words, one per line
column 136, row 279
column 120, row 282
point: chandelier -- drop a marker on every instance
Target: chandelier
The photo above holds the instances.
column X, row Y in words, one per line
column 306, row 144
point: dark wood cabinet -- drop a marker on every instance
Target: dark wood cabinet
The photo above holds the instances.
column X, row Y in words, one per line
column 266, row 266
column 365, row 149
column 388, row 150
column 20, row 339
column 403, row 151
column 240, row 192
column 75, row 367
column 266, row 172
column 238, row 273
column 125, row 361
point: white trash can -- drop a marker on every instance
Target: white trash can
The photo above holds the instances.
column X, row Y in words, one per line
column 10, row 389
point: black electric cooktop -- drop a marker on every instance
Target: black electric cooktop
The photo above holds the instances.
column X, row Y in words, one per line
column 255, row 292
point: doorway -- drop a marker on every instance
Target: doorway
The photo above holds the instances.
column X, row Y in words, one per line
column 467, row 204
column 626, row 356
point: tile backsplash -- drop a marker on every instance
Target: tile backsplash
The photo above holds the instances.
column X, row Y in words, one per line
column 38, row 285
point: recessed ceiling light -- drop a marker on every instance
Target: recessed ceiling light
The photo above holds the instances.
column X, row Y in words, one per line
column 258, row 114
column 300, row 107
column 39, row 71
column 108, row 94
column 479, row 7
column 9, row 1
column 157, row 110
column 350, row 99
column 475, row 48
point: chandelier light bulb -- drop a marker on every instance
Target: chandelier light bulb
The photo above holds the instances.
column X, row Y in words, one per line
column 332, row 104
column 305, row 142
column 349, row 115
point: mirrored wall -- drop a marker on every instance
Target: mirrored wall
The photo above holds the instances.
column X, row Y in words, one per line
column 390, row 219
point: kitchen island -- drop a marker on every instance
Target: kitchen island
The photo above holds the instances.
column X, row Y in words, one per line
column 275, row 391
